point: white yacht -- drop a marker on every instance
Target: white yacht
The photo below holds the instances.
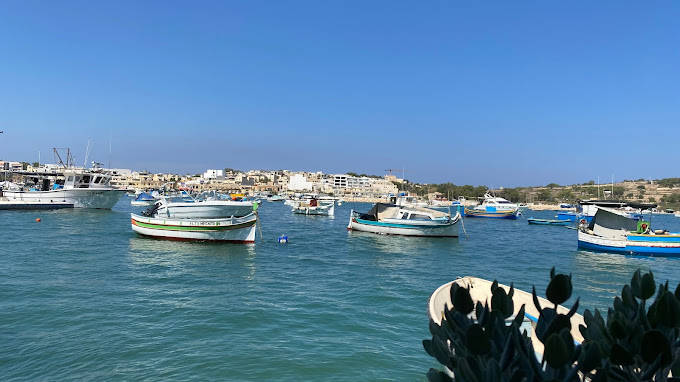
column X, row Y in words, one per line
column 81, row 187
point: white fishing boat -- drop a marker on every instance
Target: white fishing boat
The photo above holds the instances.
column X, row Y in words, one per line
column 231, row 229
column 187, row 208
column 80, row 187
column 315, row 207
column 494, row 207
column 275, row 198
column 391, row 219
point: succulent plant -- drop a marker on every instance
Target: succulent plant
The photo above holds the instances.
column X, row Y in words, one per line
column 634, row 344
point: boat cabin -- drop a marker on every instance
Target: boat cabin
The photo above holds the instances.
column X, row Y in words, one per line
column 83, row 180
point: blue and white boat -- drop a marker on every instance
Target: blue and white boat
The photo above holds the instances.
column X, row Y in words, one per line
column 392, row 219
column 143, row 199
column 612, row 231
column 588, row 208
column 494, row 207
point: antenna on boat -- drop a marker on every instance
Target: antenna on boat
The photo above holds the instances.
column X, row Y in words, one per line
column 110, row 138
column 87, row 154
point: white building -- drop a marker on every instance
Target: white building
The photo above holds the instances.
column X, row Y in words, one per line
column 340, row 181
column 298, row 182
column 213, row 174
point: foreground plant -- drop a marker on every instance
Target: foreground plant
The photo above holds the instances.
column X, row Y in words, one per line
column 635, row 344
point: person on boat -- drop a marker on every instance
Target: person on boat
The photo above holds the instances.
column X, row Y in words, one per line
column 312, row 202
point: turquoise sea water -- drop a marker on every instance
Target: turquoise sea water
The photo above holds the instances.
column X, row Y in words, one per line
column 84, row 298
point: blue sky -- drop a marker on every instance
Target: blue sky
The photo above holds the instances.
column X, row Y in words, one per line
column 493, row 93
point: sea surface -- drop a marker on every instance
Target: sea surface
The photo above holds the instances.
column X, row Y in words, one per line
column 84, row 298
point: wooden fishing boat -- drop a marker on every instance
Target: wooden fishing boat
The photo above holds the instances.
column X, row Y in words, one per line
column 232, row 229
column 548, row 221
column 391, row 219
column 612, row 231
column 480, row 290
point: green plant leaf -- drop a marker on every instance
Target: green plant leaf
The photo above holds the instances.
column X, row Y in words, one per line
column 618, row 328
column 476, row 340
column 668, row 310
column 502, row 303
column 492, row 372
column 648, row 286
column 559, row 289
column 434, row 375
column 462, row 302
column 590, row 358
column 636, row 284
column 628, row 298
column 654, row 343
column 556, row 353
column 620, row 356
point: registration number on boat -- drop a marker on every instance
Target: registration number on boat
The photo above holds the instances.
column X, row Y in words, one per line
column 204, row 223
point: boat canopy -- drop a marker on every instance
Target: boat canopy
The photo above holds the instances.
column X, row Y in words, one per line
column 380, row 211
column 612, row 224
column 617, row 204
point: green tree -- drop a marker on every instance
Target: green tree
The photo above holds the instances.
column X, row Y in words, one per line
column 553, row 185
column 565, row 195
column 544, row 195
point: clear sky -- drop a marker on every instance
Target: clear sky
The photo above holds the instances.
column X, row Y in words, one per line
column 495, row 93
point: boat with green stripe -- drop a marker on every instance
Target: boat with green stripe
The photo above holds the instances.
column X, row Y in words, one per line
column 231, row 229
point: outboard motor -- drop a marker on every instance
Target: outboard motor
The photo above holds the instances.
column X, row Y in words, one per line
column 149, row 212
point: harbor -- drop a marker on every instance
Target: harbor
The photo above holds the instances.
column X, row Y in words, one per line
column 330, row 303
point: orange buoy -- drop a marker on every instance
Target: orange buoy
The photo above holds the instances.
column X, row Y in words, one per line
column 37, row 220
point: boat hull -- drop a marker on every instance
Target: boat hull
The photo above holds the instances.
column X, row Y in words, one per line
column 449, row 229
column 509, row 214
column 32, row 205
column 548, row 222
column 80, row 198
column 142, row 202
column 234, row 230
column 643, row 245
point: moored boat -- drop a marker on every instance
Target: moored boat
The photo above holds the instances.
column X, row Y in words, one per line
column 80, row 187
column 548, row 221
column 315, row 207
column 611, row 231
column 232, row 229
column 480, row 291
column 494, row 207
column 143, row 199
column 391, row 219
column 208, row 209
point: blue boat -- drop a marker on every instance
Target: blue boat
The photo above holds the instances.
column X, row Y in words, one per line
column 548, row 222
column 611, row 231
column 143, row 199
